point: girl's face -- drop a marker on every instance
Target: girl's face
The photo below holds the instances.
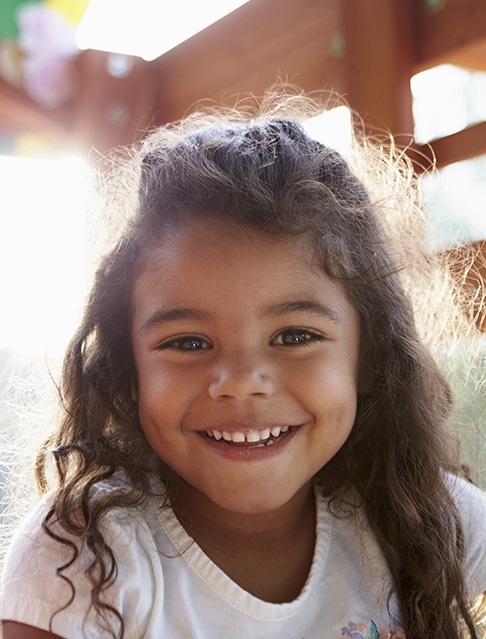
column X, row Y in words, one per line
column 247, row 363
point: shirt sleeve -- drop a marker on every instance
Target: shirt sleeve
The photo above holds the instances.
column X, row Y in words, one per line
column 33, row 593
column 471, row 502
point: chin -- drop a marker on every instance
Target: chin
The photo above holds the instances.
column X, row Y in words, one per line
column 255, row 504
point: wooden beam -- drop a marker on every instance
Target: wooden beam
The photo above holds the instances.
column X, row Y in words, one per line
column 472, row 56
column 19, row 114
column 248, row 51
column 463, row 145
column 380, row 57
column 116, row 105
column 451, row 31
column 108, row 111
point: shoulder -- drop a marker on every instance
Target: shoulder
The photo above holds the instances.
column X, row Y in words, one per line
column 469, row 499
column 42, row 573
column 32, row 532
column 471, row 504
column 124, row 528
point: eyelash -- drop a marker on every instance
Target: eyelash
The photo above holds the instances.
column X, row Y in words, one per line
column 189, row 341
column 298, row 337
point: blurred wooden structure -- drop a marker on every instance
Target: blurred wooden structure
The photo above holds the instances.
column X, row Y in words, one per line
column 366, row 50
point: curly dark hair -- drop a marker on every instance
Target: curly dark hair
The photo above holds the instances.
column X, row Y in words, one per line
column 268, row 174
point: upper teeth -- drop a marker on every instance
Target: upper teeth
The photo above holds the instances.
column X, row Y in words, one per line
column 252, row 436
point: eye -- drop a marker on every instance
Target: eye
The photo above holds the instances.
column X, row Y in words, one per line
column 296, row 337
column 189, row 343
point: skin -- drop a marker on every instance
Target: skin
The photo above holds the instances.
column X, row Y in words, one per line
column 233, row 329
column 13, row 630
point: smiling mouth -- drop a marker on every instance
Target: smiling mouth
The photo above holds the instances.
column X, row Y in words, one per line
column 251, row 439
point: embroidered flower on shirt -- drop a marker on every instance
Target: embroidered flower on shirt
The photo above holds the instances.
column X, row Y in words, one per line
column 360, row 631
column 363, row 631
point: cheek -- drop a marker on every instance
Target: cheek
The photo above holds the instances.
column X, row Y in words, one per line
column 164, row 397
column 330, row 380
column 161, row 425
column 330, row 393
column 154, row 394
column 156, row 383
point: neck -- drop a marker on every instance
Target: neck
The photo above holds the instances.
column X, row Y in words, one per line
column 199, row 515
column 267, row 554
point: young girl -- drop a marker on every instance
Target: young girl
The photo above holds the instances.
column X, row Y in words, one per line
column 253, row 443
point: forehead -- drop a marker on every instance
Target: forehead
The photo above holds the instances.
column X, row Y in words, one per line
column 213, row 247
column 220, row 264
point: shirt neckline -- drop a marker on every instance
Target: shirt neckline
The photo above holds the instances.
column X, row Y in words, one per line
column 230, row 592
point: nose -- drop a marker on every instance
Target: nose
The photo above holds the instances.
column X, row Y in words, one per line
column 241, row 377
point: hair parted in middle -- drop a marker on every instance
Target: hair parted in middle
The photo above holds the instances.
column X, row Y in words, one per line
column 267, row 174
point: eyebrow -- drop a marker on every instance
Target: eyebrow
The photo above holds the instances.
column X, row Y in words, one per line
column 276, row 310
column 172, row 315
column 300, row 306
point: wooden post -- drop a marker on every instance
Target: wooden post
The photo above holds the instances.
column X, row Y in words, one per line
column 116, row 103
column 380, row 58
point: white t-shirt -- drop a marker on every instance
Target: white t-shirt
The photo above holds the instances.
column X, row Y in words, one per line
column 167, row 588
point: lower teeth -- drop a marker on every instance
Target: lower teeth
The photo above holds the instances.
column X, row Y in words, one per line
column 269, row 442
